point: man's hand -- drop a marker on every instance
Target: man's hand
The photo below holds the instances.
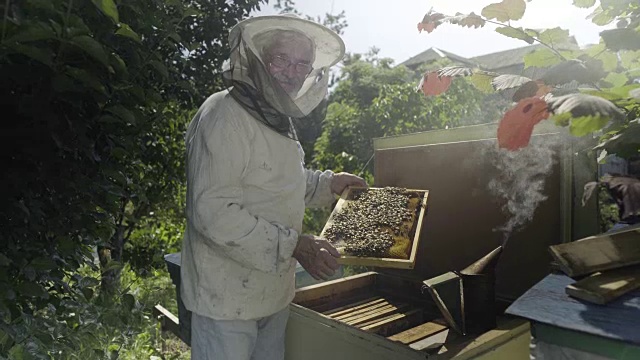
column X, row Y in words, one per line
column 317, row 256
column 343, row 180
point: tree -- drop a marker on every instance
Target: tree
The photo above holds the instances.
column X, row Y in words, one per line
column 96, row 97
column 590, row 91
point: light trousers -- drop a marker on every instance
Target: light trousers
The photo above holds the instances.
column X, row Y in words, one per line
column 260, row 339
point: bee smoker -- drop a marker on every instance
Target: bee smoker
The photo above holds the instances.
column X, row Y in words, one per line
column 466, row 298
column 478, row 283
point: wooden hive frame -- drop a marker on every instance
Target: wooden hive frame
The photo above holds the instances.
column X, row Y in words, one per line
column 386, row 262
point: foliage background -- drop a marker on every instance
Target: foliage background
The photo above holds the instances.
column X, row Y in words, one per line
column 96, row 98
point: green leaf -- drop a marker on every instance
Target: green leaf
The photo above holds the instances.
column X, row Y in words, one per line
column 32, row 289
column 541, row 58
column 516, row 33
column 599, row 17
column 76, row 27
column 582, row 126
column 482, row 81
column 4, row 261
column 616, row 79
column 122, row 112
column 41, row 55
column 635, row 93
column 128, row 301
column 589, row 113
column 505, row 11
column 92, row 48
column 18, row 352
column 160, row 68
column 43, row 264
column 621, row 39
column 584, row 3
column 87, row 292
column 126, row 31
column 608, row 58
column 32, row 32
column 630, row 59
column 532, row 32
column 555, row 37
column 62, row 83
column 119, row 153
column 109, row 8
column 613, row 94
column 563, row 119
column 191, row 12
column 41, row 4
column 88, row 282
column 5, row 337
column 175, row 37
column 118, row 64
column 86, row 78
column 468, row 20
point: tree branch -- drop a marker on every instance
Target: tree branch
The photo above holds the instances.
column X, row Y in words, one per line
column 534, row 38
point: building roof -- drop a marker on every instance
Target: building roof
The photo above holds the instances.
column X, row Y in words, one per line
column 503, row 59
column 433, row 54
column 491, row 62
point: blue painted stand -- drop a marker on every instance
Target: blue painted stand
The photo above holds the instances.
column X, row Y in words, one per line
column 611, row 330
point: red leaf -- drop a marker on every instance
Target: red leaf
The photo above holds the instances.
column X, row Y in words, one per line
column 428, row 27
column 514, row 131
column 430, row 21
column 432, row 84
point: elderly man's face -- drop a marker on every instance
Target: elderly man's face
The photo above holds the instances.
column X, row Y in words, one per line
column 289, row 62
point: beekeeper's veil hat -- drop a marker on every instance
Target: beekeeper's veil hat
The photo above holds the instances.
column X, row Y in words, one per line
column 254, row 87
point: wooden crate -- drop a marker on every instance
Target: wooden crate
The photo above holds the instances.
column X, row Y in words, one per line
column 381, row 317
column 388, row 262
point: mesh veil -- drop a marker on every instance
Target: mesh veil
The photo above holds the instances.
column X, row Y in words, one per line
column 246, row 72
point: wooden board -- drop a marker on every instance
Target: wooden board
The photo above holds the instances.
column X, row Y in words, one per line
column 547, row 303
column 601, row 288
column 383, row 305
column 168, row 321
column 341, row 310
column 598, row 253
column 417, row 333
column 386, row 310
column 329, row 291
column 383, row 262
column 394, row 323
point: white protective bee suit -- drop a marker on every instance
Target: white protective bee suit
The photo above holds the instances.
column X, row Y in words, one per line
column 247, row 189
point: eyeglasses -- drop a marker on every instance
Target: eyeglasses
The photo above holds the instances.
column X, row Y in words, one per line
column 282, row 62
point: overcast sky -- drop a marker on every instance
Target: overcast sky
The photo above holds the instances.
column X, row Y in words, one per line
column 391, row 25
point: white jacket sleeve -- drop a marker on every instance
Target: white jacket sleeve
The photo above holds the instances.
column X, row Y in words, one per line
column 318, row 193
column 223, row 150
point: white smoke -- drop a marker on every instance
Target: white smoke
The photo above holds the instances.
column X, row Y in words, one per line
column 520, row 179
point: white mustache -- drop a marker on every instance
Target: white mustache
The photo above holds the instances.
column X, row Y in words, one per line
column 285, row 79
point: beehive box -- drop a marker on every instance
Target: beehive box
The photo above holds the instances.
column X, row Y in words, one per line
column 376, row 316
column 406, row 243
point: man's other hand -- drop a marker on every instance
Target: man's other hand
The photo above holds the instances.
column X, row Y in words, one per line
column 317, row 256
column 343, row 180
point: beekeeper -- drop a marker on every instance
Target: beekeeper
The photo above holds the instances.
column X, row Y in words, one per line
column 247, row 189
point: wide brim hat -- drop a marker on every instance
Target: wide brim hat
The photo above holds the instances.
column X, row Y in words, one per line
column 329, row 47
